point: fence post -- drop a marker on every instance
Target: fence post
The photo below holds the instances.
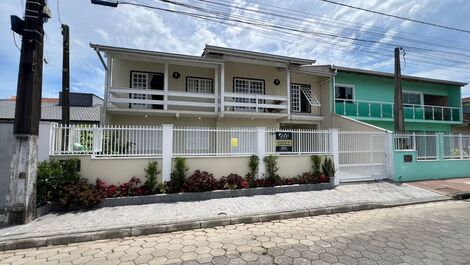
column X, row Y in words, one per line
column 167, row 151
column 334, row 149
column 439, row 146
column 261, row 149
column 389, row 155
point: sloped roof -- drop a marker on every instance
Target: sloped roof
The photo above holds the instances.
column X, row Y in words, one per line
column 53, row 112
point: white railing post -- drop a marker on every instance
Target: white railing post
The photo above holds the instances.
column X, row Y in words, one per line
column 460, row 146
column 216, row 88
column 334, row 149
column 165, row 87
column 167, row 151
column 261, row 149
column 222, row 88
column 288, row 89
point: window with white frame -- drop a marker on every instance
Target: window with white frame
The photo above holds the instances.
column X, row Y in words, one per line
column 295, row 98
column 344, row 92
column 412, row 98
column 302, row 98
column 139, row 81
column 199, row 85
column 247, row 86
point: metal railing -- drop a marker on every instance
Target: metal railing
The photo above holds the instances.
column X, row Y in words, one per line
column 201, row 141
column 378, row 109
column 106, row 141
column 456, row 146
column 241, row 102
column 303, row 141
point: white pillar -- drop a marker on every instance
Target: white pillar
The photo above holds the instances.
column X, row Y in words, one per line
column 107, row 94
column 334, row 147
column 261, row 149
column 389, row 154
column 288, row 89
column 216, row 88
column 167, row 151
column 222, row 87
column 165, row 87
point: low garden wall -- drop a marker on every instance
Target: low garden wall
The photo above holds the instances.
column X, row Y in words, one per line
column 413, row 170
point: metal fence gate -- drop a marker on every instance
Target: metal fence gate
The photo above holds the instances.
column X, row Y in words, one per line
column 362, row 156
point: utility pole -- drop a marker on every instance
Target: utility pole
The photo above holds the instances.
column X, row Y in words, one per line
column 21, row 198
column 399, row 119
column 65, row 77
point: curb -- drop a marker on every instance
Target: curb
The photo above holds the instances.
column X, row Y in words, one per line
column 166, row 228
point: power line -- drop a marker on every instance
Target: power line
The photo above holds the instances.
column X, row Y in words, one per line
column 397, row 17
column 58, row 11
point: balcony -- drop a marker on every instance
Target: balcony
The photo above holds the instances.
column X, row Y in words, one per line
column 384, row 110
column 238, row 102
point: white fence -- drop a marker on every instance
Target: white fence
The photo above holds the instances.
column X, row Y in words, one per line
column 303, row 141
column 434, row 146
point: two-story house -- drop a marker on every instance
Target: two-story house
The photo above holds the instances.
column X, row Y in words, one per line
column 235, row 88
column 429, row 104
column 222, row 88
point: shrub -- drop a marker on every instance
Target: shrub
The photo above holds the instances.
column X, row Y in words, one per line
column 178, row 175
column 271, row 169
column 232, row 182
column 316, row 166
column 151, row 177
column 79, row 195
column 289, row 181
column 254, row 165
column 52, row 175
column 263, row 183
column 130, row 188
column 309, row 178
column 328, row 168
column 200, row 182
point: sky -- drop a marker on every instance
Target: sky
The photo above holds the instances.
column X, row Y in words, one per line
column 142, row 28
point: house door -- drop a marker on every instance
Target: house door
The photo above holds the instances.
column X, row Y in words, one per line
column 156, row 83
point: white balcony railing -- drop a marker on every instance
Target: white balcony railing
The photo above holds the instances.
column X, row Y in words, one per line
column 177, row 100
column 240, row 102
column 378, row 109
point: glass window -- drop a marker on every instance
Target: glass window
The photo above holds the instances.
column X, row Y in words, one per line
column 247, row 86
column 199, row 85
column 344, row 92
column 412, row 98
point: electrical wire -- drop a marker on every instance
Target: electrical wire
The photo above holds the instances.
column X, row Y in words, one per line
column 58, row 12
column 397, row 17
column 14, row 40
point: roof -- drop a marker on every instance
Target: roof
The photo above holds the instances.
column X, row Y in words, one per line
column 43, row 100
column 466, row 100
column 53, row 112
column 164, row 55
column 216, row 50
column 391, row 75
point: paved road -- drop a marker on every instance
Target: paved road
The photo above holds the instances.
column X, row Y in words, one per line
column 436, row 233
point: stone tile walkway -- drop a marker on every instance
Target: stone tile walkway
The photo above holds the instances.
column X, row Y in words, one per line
column 433, row 233
column 449, row 187
column 103, row 219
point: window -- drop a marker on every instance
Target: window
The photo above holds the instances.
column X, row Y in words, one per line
column 412, row 98
column 302, row 98
column 198, row 85
column 247, row 86
column 344, row 92
column 139, row 81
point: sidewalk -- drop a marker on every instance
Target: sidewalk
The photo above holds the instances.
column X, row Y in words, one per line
column 122, row 221
column 455, row 188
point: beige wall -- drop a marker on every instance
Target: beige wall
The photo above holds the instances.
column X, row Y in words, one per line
column 247, row 122
column 348, row 124
column 122, row 68
column 292, row 166
column 325, row 88
column 185, row 71
column 155, row 120
column 219, row 166
column 267, row 73
column 113, row 171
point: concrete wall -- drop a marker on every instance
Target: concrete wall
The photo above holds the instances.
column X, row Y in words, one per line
column 425, row 170
column 348, row 124
column 219, row 166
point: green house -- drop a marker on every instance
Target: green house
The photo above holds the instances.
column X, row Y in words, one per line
column 429, row 104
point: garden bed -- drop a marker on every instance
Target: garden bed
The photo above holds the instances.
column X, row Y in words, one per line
column 216, row 194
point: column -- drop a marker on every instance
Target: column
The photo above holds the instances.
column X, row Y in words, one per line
column 167, row 151
column 261, row 149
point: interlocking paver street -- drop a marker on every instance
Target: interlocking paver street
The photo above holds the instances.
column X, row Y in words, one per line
column 171, row 213
column 433, row 233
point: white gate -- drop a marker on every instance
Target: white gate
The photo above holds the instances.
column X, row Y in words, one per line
column 362, row 156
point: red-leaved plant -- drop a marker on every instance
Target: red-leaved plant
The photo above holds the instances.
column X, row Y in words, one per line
column 200, row 181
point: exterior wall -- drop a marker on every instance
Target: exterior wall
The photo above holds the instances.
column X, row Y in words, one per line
column 425, row 170
column 121, row 70
column 461, row 129
column 155, row 120
column 326, row 97
column 113, row 171
column 314, row 82
column 218, row 166
column 267, row 73
column 185, row 71
column 415, row 126
column 286, row 165
column 247, row 122
column 372, row 88
column 348, row 124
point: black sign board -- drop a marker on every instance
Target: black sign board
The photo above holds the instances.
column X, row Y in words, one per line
column 408, row 158
column 283, row 141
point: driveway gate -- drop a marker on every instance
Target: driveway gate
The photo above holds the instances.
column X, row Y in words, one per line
column 362, row 156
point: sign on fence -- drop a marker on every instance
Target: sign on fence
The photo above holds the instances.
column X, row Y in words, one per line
column 283, row 141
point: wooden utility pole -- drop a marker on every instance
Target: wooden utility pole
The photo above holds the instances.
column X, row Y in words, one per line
column 21, row 198
column 399, row 118
column 65, row 76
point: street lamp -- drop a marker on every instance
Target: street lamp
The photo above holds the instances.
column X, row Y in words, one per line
column 105, row 3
